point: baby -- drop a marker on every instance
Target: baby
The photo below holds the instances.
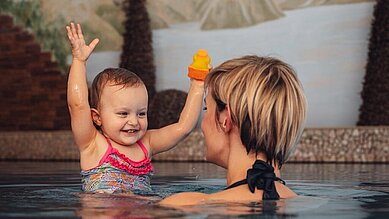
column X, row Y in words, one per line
column 111, row 131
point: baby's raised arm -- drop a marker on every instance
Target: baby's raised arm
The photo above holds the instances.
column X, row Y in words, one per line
column 167, row 137
column 77, row 91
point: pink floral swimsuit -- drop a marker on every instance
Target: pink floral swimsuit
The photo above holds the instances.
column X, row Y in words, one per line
column 117, row 173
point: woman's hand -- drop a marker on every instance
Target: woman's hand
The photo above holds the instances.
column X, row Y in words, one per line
column 80, row 50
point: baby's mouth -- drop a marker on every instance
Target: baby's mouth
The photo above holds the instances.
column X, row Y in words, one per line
column 131, row 130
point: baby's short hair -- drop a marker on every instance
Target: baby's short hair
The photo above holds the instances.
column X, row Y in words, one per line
column 116, row 76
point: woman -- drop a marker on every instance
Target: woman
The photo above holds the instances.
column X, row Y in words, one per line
column 255, row 113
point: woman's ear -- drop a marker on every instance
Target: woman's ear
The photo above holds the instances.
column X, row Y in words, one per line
column 225, row 117
column 96, row 116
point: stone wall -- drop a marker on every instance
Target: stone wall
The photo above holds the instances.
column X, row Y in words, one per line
column 345, row 145
column 359, row 144
column 32, row 88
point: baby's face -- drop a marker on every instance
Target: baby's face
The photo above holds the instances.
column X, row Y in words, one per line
column 123, row 112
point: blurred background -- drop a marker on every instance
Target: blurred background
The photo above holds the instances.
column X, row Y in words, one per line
column 339, row 49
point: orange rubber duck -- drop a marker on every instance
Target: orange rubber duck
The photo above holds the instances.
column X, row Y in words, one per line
column 200, row 66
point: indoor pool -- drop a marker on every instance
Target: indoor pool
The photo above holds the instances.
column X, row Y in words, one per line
column 53, row 190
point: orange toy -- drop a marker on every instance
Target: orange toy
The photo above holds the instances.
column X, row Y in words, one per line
column 200, row 66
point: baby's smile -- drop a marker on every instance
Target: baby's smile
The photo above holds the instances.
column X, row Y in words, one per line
column 131, row 130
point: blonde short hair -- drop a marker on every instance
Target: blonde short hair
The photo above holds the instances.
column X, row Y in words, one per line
column 266, row 101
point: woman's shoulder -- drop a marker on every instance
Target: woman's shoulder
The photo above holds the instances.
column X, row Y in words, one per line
column 284, row 191
column 243, row 194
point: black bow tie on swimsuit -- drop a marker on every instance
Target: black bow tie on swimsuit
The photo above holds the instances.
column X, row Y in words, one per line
column 261, row 176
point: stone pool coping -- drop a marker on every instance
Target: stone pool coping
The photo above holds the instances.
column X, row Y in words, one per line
column 361, row 144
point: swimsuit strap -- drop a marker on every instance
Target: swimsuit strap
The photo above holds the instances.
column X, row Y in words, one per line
column 144, row 149
column 110, row 148
column 261, row 176
column 107, row 152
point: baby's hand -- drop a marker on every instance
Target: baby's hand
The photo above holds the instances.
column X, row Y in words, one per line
column 80, row 50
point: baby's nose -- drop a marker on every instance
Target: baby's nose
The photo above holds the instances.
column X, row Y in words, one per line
column 132, row 120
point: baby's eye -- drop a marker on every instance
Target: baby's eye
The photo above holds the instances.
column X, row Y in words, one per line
column 122, row 114
column 142, row 114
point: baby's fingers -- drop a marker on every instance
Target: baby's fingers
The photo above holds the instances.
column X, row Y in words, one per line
column 74, row 30
column 93, row 44
column 79, row 31
column 69, row 33
column 72, row 38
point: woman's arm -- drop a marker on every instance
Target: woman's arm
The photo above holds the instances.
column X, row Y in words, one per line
column 184, row 198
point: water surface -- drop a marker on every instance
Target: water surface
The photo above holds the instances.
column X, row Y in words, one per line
column 53, row 190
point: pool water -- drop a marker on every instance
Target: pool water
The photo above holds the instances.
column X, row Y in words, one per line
column 53, row 190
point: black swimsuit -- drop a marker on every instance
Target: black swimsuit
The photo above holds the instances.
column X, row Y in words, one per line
column 261, row 176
